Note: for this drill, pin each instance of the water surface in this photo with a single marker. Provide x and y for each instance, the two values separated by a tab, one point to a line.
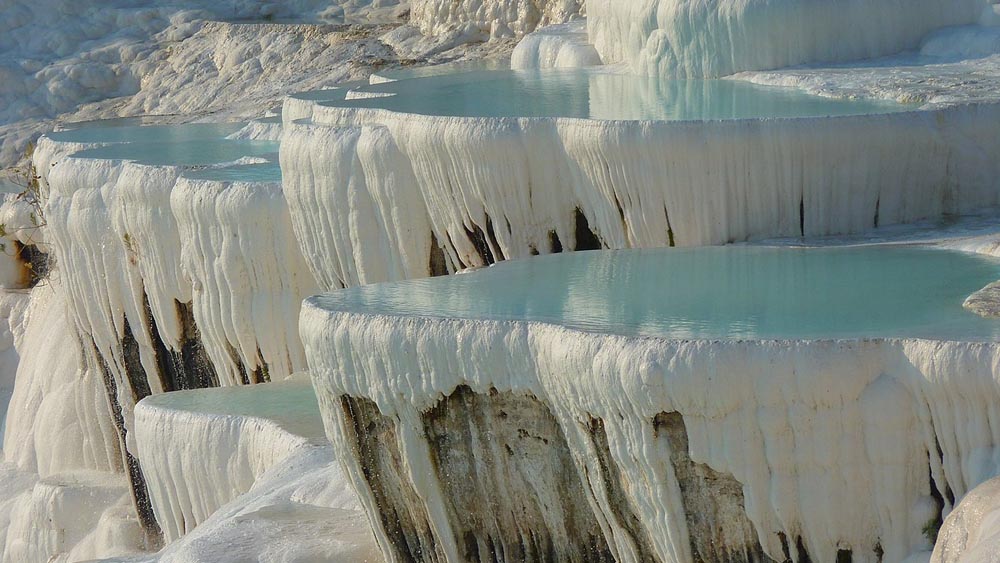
259	172
291	404
600	94
740	292
131	130
202	148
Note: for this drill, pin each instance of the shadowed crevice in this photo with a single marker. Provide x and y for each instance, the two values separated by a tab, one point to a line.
137	483
188	368
586	238
437	264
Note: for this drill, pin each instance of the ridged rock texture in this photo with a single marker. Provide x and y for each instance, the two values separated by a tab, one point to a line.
697	38
684	451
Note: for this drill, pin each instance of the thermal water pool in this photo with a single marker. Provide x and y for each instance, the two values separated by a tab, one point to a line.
229	438
290	404
597	93
736	292
817	381
203	149
209	154
136	131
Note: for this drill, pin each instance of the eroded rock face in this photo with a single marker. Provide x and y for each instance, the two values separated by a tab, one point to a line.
512	491
509	482
713	502
401	512
610	481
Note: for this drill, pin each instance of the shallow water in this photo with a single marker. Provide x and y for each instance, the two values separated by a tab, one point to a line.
197	152
600	94
738	292
260	172
410	72
326	94
129	131
201	147
292	404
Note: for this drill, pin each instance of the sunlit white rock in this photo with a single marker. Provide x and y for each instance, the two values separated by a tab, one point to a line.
500	17
556	46
971	533
696	38
873	409
405	177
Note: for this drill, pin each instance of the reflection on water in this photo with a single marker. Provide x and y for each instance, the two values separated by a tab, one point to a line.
713	293
262	172
201	147
599	94
187	153
128	131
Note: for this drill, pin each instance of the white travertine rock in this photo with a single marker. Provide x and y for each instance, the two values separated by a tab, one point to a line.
201	449
64	489
829	439
971	533
126	233
699	38
367	178
500	18
556	46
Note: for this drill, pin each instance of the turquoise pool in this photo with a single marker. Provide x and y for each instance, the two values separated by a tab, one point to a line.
598	94
291	404
740	292
202	148
132	130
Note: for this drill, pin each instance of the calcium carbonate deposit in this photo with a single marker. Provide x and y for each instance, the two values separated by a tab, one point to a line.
677	281
792	424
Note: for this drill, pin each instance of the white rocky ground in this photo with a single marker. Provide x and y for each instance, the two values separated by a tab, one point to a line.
959	64
129	58
712	39
63	487
262	483
63	61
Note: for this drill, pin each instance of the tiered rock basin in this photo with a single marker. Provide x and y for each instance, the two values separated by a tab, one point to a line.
738	403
